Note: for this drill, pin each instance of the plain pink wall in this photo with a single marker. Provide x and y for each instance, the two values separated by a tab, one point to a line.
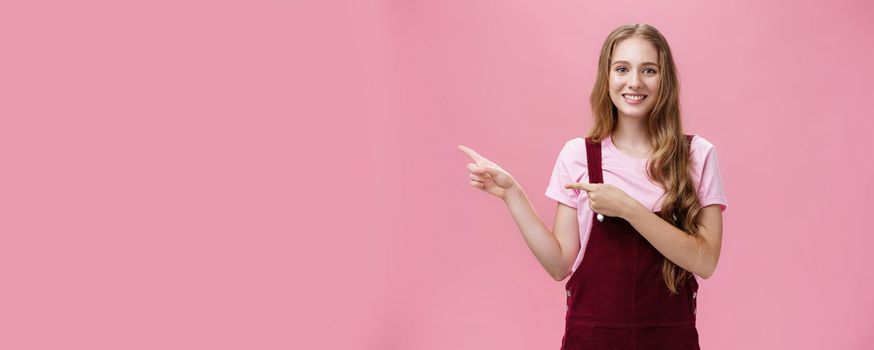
283	175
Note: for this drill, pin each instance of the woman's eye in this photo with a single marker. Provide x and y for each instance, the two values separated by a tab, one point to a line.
622	69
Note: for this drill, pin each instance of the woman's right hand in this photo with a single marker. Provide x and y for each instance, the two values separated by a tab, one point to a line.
488	176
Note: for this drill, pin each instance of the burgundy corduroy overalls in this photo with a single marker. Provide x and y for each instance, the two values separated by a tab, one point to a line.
616	297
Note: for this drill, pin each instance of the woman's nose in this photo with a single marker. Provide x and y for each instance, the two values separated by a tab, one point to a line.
634	81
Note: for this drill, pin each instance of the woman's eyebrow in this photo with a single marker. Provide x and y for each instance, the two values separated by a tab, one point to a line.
644	63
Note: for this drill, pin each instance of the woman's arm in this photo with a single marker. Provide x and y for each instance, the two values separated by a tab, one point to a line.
554	251
698	255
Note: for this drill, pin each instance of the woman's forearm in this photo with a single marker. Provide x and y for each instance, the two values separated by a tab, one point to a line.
689	252
539	239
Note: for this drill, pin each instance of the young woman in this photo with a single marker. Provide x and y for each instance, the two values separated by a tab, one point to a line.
639	206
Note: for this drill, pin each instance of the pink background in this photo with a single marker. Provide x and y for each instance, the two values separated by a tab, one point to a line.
283	175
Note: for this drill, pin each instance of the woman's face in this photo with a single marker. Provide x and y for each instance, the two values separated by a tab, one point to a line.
634	71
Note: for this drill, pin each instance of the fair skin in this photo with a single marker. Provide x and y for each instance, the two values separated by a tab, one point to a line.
634	69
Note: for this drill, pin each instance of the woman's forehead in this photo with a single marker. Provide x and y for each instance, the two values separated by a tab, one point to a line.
635	51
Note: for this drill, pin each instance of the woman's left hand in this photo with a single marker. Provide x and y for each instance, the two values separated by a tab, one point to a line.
606	199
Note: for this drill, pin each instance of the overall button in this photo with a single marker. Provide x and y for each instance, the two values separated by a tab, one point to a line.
694	294
568	293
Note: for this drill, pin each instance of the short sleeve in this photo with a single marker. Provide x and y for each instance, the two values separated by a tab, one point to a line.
710	188
564	172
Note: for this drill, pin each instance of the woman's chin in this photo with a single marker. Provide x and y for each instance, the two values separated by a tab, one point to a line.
635	112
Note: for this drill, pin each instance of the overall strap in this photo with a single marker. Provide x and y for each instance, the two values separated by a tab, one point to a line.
593	155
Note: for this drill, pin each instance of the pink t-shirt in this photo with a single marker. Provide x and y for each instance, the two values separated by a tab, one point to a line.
628	174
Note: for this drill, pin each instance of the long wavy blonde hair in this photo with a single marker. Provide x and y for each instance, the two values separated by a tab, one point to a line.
670	164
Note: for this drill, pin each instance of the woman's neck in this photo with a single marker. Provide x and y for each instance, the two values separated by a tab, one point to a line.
632	136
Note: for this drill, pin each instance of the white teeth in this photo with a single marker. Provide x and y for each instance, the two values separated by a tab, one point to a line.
634	97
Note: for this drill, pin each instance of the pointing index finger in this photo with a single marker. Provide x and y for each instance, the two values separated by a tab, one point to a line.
585	186
470	153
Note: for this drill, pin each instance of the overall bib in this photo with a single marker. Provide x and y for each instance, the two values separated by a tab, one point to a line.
616	298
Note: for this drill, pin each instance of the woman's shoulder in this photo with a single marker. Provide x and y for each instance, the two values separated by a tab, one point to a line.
574	151
701	146
576	143
702	154
575	146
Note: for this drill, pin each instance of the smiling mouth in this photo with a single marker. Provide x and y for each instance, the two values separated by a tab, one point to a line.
634	98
